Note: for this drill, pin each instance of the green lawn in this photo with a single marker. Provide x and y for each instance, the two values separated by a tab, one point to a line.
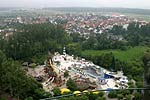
138	16
131	54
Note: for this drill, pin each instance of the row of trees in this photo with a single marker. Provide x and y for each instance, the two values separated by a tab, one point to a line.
98	42
33	40
134	35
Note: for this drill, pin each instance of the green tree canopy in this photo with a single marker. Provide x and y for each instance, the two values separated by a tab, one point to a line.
71	84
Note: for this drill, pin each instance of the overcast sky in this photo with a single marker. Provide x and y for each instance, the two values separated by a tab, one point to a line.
76	3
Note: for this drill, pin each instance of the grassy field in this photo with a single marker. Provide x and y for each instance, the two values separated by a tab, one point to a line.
131	54
142	17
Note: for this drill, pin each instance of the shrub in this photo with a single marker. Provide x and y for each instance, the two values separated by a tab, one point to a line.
126	92
101	98
128	97
71	84
56	91
119	96
2	98
66	74
101	94
137	96
29	98
112	94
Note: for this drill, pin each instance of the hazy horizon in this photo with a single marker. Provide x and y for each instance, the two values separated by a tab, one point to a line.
142	4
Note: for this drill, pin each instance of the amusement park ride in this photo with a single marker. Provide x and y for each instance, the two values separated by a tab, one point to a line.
52	73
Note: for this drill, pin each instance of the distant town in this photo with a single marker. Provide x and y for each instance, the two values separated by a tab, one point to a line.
82	23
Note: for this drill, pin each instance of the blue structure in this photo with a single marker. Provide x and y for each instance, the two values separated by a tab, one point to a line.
107	76
109	89
101	79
